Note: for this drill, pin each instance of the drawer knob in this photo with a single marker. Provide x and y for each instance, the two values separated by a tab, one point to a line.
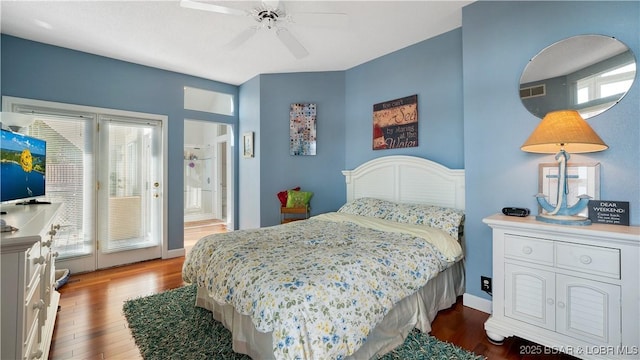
47	243
550	301
560	304
527	250
40	260
54	229
39	305
585	259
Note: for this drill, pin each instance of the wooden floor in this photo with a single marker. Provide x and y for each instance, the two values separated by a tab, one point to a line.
197	229
90	323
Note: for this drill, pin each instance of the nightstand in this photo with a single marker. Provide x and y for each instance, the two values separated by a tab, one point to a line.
572	289
289	214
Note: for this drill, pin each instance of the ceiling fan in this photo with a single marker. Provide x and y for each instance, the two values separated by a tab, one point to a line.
271	15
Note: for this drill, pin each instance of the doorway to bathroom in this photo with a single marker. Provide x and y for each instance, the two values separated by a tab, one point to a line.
207	179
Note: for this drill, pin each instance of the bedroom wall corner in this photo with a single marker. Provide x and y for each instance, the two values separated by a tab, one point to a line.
320	173
499	38
249	167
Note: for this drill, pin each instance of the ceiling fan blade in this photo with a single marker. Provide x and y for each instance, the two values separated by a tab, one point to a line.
291	43
271	4
212	7
242	37
324	20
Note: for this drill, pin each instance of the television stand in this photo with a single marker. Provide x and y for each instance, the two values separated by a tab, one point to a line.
33	202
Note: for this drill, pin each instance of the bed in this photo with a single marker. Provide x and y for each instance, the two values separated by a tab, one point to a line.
349	284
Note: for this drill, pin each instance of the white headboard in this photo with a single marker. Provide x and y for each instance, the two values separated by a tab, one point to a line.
406	179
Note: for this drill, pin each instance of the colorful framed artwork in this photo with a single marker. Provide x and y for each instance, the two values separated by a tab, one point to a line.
302	129
395	123
247	144
581	179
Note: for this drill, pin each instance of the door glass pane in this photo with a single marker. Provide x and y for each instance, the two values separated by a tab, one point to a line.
130	177
69	181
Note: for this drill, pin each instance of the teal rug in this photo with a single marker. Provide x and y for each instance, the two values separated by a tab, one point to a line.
169	326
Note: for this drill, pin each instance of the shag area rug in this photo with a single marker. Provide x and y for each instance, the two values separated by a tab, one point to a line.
169	326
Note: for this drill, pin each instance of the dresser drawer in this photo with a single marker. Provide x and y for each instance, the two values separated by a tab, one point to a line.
34	265
590	259
32	306
32	342
528	249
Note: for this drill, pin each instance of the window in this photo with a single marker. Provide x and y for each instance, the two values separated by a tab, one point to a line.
208	101
605	84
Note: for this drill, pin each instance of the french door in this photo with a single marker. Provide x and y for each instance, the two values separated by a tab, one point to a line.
129	190
106	169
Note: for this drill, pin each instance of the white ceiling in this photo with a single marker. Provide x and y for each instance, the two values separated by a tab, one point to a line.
164	35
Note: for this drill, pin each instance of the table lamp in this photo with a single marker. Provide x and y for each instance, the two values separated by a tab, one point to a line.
563	132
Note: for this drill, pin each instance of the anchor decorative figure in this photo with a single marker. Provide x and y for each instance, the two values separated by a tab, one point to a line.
562	213
562	131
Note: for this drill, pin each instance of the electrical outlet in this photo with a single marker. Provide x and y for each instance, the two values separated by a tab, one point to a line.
485	284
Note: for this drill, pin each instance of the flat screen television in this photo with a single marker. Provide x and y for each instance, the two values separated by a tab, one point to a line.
23	161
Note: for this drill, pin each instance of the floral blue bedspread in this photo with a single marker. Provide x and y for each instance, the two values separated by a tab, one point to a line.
320	286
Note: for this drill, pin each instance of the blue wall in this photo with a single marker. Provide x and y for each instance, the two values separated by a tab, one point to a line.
274	168
432	69
249	168
498	39
43	72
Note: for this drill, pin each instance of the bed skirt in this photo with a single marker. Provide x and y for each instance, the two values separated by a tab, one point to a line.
415	311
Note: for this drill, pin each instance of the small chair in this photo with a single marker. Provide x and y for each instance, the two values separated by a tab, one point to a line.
289	214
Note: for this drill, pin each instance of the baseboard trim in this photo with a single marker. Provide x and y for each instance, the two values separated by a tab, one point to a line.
174	253
476	302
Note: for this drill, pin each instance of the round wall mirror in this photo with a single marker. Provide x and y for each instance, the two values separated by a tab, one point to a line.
587	73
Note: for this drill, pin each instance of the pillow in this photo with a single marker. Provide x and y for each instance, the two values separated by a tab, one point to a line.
298	198
443	218
282	196
366	206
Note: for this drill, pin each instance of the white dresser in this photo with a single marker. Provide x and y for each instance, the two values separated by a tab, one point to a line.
573	289
29	300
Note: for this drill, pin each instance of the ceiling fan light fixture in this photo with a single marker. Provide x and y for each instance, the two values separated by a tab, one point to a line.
269	15
268	23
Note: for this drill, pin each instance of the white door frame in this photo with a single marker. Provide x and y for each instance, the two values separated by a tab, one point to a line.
133	247
228	138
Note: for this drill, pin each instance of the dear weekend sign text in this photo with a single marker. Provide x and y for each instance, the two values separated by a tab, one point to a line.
609	212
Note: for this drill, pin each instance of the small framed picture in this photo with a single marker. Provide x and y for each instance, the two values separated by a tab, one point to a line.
582	179
247	144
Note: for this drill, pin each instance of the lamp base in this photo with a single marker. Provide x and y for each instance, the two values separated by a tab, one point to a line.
564	219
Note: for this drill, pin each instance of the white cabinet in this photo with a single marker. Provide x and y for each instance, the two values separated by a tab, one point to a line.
29	300
572	289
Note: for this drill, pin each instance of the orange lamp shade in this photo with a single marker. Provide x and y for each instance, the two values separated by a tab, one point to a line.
564	129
